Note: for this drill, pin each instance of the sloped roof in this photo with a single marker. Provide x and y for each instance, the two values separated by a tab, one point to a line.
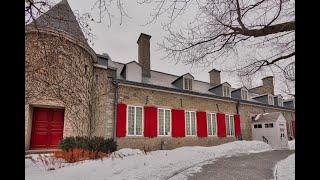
61	17
181	77
125	66
267	117
232	90
213	87
164	80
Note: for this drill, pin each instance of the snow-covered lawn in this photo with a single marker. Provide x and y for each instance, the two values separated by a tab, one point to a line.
292	144
136	165
285	169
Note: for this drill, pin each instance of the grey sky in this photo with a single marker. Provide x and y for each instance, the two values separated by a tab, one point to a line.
119	41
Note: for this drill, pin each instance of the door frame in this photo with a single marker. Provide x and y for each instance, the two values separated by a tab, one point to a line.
29	119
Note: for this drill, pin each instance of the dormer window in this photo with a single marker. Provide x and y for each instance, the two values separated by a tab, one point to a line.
226	91
244	94
187	84
270	100
280	101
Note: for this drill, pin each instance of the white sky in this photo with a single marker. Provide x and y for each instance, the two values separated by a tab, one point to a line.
119	41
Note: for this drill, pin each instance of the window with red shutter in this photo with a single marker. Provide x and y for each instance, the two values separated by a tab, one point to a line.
212	124
230	125
164	122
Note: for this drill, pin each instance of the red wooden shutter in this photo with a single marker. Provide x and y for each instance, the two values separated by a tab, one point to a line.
221	121
150	122
294	128
178	123
121	120
237	127
288	132
202	124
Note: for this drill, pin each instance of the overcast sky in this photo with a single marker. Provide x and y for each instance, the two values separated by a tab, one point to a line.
119	41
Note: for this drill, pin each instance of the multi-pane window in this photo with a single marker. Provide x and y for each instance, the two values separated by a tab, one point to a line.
226	91
281	132
230	125
257	126
244	94
280	101
187	84
212	124
190	123
271	100
164	120
269	125
134	120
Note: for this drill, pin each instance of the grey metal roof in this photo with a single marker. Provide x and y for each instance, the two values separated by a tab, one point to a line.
267	117
215	86
237	89
179	77
161	80
62	18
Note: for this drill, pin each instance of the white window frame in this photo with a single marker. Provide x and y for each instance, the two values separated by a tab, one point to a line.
228	123
243	91
189	81
229	92
135	122
195	122
216	125
270	97
164	124
280	101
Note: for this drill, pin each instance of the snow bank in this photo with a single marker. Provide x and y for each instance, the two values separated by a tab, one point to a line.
285	169
129	152
160	164
292	144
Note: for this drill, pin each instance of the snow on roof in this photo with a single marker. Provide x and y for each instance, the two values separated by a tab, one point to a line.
267	117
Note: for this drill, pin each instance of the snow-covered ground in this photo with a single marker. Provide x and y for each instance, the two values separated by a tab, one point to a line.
292	144
137	165
285	169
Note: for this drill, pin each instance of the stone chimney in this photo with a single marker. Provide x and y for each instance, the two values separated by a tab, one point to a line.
267	84
214	77
144	53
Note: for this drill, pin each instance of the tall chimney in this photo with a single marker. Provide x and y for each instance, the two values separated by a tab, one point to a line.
144	53
215	77
267	84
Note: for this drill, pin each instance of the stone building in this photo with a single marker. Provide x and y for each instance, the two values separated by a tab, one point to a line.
71	90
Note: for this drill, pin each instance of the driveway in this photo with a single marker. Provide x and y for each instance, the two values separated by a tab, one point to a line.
256	166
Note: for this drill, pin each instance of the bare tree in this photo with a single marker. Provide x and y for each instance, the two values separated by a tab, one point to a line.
221	29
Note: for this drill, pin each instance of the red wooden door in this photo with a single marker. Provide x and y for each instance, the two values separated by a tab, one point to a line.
47	128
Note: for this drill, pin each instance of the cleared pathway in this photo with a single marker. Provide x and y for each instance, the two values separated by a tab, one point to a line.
256	166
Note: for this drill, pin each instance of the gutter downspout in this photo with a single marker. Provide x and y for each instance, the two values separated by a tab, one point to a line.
237	107
115	82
